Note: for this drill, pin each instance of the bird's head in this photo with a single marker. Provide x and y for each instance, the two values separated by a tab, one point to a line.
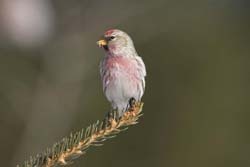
116	42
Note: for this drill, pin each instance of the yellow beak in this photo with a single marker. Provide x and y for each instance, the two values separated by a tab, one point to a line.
102	43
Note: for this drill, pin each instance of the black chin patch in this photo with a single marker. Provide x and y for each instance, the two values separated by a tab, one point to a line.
106	47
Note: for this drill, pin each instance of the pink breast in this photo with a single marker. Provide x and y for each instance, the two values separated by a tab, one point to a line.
122	65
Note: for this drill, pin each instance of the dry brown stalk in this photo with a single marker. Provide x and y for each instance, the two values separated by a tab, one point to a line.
65	151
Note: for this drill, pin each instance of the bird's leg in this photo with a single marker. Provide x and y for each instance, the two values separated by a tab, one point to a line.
132	102
106	121
111	115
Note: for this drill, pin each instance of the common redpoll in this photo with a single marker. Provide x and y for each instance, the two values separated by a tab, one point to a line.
122	70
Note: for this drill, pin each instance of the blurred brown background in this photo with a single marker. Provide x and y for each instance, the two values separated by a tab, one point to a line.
197	92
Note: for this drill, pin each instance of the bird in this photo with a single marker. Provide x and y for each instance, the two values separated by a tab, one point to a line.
122	70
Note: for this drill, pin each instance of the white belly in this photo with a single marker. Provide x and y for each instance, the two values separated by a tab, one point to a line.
120	89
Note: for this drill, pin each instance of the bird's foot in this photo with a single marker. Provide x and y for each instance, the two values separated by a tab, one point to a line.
111	117
132	103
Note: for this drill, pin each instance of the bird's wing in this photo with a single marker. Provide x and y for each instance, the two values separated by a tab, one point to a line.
141	66
141	70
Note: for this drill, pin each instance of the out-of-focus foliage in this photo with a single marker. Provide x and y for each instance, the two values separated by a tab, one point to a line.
197	88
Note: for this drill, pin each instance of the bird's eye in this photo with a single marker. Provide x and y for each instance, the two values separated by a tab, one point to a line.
111	38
